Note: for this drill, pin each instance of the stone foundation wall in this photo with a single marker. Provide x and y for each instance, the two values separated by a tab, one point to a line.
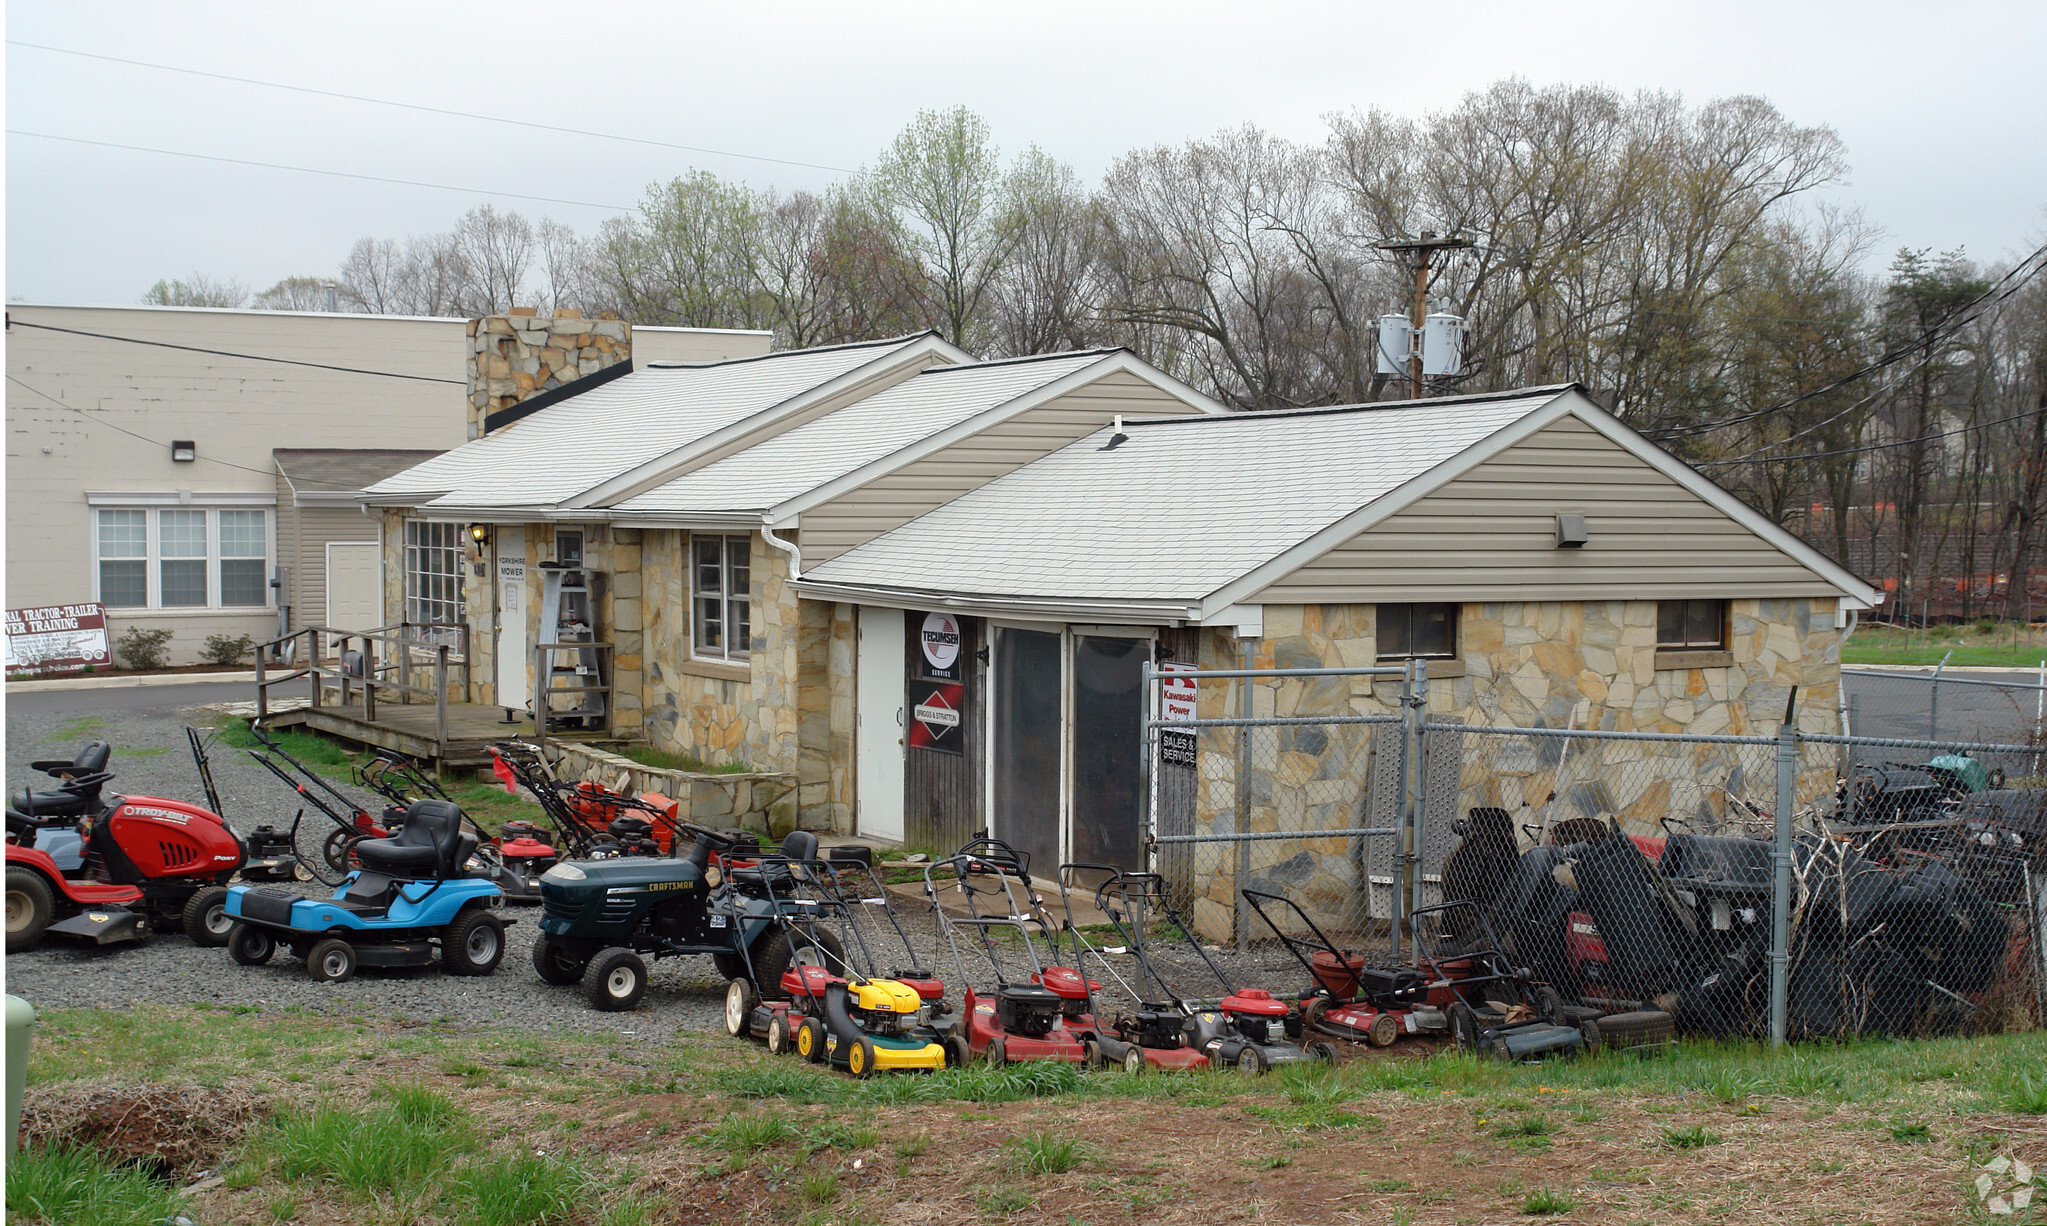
761	802
1519	665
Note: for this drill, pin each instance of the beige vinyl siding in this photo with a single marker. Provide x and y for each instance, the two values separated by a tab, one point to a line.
321	525
860	515
1490	535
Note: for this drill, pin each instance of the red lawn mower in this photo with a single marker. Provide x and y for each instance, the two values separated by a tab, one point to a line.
1043	1019
116	862
1349	1003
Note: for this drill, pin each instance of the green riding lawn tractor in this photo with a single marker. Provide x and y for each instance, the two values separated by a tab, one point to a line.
603	919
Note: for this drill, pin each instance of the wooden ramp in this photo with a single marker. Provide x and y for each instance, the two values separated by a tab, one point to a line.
410	728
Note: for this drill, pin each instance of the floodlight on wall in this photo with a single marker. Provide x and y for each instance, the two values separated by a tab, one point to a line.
184	451
1571	532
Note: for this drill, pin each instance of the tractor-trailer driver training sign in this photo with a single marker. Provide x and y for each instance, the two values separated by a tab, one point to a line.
62	638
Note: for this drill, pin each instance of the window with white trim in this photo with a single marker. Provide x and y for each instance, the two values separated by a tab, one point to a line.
434	591
721	596
181	557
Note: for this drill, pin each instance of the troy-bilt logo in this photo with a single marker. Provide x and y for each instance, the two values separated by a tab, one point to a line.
164	815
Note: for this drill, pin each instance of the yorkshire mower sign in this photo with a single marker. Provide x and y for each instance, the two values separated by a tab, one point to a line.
56	638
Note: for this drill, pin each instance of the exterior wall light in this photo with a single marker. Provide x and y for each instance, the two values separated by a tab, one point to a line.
184	451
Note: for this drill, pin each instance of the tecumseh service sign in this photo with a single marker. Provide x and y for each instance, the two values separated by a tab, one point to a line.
938	692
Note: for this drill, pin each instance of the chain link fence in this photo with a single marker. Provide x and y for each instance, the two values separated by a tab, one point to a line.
1791	886
1938	705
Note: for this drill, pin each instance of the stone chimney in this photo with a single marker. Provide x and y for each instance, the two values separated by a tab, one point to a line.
518	355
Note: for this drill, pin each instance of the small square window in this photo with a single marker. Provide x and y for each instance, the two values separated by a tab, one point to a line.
1691	625
1417	631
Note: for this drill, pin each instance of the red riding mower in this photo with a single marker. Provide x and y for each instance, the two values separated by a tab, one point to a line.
1017	1020
1350	1003
116	862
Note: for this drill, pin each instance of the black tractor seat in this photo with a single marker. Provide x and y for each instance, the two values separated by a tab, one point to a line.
82	776
67	804
430	843
799	845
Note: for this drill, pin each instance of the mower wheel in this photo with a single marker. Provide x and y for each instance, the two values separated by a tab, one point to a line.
810	1040
1251	1061
473	945
250	946
740	998
778	951
331	961
1384	1030
957	1053
615	980
778	1033
1590	1032
206	919
553	962
1549	1003
1091	1054
997	1054
1463	1026
30	908
1325	1051
1640	1029
1134	1062
339	850
729	966
860	1057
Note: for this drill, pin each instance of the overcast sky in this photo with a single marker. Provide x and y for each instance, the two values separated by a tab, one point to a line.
1943	107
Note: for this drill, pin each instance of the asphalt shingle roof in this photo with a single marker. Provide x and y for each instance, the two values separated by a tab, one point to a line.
1179	509
800	460
344	468
586	440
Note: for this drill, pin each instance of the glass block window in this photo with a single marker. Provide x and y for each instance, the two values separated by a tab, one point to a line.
124	559
434	591
244	557
721	596
181	559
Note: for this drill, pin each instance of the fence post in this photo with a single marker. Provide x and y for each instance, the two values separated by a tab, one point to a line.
1417	796
1240	853
1848	753
1933	699
1147	774
262	690
441	697
1780	892
540	683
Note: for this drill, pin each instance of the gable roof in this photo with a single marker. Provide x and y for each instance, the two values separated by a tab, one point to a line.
612	429
1195	514
795	462
336	476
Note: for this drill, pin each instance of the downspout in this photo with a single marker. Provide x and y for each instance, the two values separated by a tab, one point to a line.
1841	689
788	547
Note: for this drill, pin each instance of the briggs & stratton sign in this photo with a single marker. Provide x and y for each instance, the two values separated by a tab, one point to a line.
935	720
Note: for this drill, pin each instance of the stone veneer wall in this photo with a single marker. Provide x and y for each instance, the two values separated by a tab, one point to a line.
523	353
825	710
761	802
1521	665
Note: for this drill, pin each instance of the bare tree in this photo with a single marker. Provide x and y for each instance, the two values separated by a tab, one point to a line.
301	294
492	253
943	173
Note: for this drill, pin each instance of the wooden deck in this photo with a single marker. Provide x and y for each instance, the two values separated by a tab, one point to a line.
409	729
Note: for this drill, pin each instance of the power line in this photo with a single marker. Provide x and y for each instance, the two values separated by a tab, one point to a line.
72	408
222	353
1903	442
431	110
314	170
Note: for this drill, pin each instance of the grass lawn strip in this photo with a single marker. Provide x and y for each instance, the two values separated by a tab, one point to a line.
321	1119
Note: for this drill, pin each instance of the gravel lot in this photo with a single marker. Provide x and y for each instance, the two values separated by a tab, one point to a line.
147	731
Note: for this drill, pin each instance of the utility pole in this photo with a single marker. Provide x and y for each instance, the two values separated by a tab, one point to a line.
1422	248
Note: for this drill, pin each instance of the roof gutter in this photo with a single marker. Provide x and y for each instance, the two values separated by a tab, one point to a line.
1138	612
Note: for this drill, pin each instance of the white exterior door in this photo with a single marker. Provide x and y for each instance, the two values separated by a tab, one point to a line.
513	649
879	685
355	585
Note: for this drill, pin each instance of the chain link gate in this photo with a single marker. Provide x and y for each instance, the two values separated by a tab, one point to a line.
1796	885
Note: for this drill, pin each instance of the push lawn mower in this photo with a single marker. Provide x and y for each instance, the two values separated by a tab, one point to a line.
409	897
1490	1005
1016	1021
604	918
1349	1002
72	844
1168	1029
849	1017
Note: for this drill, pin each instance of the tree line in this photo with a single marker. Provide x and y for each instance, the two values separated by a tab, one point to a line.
1680	261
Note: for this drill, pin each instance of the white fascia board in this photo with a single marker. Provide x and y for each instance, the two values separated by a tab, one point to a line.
1397	499
663	469
1049	609
324	498
709	521
1855	593
1249	619
785	513
204	498
406	498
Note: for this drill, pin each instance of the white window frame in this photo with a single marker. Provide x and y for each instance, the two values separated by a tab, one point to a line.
725	595
409	571
152	506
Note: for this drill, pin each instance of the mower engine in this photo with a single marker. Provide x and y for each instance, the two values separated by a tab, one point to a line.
885	1008
1027	1009
1159	1026
526	854
635	835
1256	1015
1071	987
270	855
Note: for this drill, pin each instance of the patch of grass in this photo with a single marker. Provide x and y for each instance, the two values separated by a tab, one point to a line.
794	1083
743	1136
1046	1153
400	1149
1387	1185
1271	1162
819	1187
284	1208
976	1084
1001	1202
1547	1202
647	755
1912	1133
78	728
2024	1095
1694	1137
521	1189
1537	1125
79	1187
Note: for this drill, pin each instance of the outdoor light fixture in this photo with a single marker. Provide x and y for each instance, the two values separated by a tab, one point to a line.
184	451
478	534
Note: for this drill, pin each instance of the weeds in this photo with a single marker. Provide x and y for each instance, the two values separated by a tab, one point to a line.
80	1187
1694	1137
1045	1153
2023	1095
819	1187
521	1190
743	1136
1001	1202
1911	1133
1546	1202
